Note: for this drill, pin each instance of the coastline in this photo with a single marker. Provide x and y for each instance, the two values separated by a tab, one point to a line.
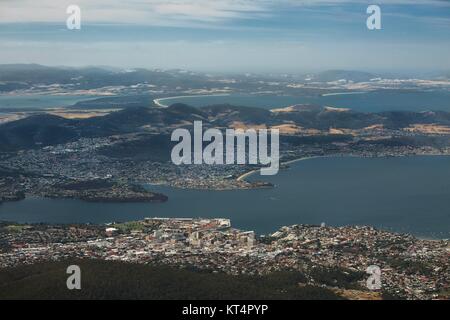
250	173
159	103
343	93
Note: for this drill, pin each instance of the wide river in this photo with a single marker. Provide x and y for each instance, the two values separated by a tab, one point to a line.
410	194
40	101
375	101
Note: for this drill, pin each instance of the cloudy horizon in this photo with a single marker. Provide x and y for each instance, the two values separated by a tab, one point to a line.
229	35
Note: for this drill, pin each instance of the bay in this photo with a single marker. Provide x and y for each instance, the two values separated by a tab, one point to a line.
374	101
39	101
406	194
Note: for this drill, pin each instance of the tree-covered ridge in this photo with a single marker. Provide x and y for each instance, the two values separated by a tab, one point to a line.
119	280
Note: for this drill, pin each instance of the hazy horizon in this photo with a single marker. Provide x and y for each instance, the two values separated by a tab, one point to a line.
402	73
258	36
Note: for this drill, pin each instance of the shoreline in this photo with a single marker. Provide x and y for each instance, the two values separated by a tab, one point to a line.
260	235
250	173
343	93
159	103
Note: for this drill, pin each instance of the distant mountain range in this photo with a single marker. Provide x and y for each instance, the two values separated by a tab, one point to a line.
25	76
19	76
336	75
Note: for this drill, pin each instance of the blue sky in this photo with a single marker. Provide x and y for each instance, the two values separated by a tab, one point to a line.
229	35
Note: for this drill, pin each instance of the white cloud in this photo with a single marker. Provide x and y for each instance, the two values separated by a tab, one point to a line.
133	11
164	12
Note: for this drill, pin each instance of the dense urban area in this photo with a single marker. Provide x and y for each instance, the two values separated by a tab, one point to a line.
410	268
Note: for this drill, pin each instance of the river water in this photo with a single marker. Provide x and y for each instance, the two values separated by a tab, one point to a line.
408	194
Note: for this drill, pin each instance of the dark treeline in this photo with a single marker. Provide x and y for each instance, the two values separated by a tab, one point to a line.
119	280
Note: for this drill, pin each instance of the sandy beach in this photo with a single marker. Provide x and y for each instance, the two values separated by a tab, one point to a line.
159	101
249	173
